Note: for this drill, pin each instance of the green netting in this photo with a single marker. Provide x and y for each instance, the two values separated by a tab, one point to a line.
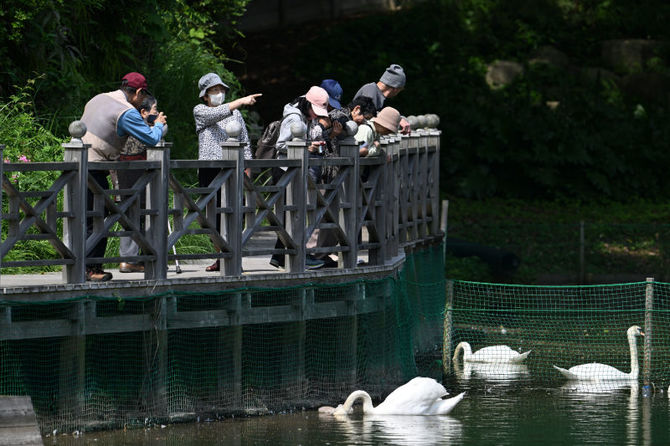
563	326
174	372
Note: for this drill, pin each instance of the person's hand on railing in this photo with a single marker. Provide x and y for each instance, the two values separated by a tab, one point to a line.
405	127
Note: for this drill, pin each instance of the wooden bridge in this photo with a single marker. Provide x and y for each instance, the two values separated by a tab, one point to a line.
376	217
379	209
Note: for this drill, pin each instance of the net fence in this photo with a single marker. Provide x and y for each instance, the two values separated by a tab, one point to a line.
175	370
562	326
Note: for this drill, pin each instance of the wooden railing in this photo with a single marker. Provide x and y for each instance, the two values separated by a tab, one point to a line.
395	206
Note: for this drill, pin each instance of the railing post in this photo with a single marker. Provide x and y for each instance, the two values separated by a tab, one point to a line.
349	214
393	199
156	222
232	195
434	175
296	197
74	204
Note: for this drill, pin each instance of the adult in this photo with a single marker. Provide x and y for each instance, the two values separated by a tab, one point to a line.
305	109
110	118
389	85
134	149
386	122
359	110
334	90
211	117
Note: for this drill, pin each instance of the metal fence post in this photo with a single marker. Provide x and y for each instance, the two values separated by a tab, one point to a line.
74	204
156	222
446	340
648	335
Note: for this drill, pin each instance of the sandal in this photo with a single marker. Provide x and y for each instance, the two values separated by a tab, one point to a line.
213	267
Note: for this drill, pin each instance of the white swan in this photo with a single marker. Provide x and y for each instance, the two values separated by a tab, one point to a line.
501	354
602	372
420	396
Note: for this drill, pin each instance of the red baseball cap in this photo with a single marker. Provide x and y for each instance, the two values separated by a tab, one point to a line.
136	80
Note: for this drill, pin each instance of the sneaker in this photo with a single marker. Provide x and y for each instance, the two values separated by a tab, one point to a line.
97	275
313	263
274	262
328	262
131	267
216	266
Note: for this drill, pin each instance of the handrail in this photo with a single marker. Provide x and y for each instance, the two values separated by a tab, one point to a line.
393	199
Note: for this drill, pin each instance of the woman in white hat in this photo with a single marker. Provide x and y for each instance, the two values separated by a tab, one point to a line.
211	118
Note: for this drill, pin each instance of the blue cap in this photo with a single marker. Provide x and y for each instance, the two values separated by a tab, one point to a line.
334	92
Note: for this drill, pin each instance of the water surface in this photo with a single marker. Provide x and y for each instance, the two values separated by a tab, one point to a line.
504	408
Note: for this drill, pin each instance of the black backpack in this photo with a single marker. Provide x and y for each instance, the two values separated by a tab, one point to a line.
266	148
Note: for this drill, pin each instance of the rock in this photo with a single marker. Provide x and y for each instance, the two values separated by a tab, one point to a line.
502	72
630	55
551	56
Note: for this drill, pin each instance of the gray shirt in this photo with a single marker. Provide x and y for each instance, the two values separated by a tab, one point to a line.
373	92
210	124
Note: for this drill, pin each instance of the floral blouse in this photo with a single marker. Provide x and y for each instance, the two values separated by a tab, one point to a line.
210	125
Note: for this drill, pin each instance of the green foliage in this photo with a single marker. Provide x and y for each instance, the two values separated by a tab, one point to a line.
83	47
27	140
599	142
620	239
24	136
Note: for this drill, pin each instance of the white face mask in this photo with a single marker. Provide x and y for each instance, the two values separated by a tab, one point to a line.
217	99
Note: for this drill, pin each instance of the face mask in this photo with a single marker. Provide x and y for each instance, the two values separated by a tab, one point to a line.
151	119
217	99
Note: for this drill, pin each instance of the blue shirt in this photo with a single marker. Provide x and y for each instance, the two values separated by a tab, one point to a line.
131	123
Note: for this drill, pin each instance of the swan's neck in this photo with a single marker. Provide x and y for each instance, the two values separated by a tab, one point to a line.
351	399
634	367
467	351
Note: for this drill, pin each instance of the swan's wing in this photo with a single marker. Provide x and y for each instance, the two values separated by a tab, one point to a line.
497	353
520	358
419	387
594	372
566	373
443	407
413	398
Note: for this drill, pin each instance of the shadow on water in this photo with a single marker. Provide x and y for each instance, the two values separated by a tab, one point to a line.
503	406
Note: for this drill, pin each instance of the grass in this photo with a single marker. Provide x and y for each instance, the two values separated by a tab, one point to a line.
620	240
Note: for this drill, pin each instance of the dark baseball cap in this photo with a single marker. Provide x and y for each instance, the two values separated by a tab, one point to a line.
136	80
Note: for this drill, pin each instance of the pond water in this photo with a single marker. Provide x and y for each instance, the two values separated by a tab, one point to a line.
507	409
